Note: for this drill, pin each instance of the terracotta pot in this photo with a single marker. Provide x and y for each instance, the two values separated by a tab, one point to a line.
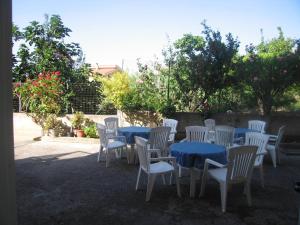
79	133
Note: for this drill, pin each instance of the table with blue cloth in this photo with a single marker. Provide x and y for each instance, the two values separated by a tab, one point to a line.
192	155
130	133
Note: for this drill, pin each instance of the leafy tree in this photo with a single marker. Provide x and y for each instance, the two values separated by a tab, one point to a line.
203	65
269	69
43	48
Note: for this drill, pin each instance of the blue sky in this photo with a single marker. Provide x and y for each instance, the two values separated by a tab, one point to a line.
111	30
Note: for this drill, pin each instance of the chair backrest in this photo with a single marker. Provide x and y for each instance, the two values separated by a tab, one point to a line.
173	124
259	140
240	163
279	136
196	133
102	134
158	138
257	125
210	123
224	135
112	124
144	157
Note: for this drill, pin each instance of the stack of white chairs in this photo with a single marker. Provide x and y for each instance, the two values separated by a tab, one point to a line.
173	124
257	125
210	124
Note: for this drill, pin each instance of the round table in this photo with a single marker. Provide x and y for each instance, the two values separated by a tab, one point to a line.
193	154
130	133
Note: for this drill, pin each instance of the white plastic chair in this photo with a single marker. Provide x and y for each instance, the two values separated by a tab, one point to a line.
274	149
210	123
224	136
108	144
173	124
112	124
238	170
260	140
160	167
196	133
158	139
257	125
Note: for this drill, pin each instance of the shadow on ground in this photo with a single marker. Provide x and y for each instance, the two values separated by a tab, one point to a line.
60	189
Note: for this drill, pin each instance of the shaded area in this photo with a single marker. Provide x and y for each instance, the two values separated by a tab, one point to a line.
62	184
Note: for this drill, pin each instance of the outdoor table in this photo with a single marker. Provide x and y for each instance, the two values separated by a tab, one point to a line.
192	155
130	133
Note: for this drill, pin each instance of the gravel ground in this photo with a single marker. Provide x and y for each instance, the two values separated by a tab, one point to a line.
62	184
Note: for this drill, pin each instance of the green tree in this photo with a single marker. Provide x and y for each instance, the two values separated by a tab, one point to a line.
43	48
203	65
270	69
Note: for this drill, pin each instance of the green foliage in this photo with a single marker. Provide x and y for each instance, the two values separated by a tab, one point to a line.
203	66
41	96
43	48
53	123
269	69
91	131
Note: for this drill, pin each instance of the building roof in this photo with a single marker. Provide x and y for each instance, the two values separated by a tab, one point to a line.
106	70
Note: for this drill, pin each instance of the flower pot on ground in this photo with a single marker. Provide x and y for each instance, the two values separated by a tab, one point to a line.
79	133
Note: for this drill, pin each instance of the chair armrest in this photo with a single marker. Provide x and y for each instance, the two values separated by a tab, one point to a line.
262	153
212	162
169	158
272	137
122	138
183	140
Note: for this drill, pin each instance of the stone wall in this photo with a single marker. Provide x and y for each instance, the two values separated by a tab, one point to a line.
291	120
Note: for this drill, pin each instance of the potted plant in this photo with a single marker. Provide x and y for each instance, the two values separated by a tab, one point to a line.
54	127
77	123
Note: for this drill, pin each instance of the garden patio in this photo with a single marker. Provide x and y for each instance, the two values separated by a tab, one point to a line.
62	183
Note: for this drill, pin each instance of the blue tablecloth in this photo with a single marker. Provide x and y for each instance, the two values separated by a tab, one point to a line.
193	154
130	132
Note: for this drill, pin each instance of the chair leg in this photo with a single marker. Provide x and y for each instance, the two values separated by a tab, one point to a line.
262	175
138	179
107	158
203	183
99	154
278	156
163	179
180	171
273	157
171	178
223	189
248	193
150	184
177	183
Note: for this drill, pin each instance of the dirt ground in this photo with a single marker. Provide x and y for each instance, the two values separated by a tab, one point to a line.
62	184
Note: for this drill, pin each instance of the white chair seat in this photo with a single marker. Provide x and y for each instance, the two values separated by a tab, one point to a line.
161	167
115	144
219	174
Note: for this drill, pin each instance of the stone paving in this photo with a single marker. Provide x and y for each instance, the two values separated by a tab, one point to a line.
61	183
